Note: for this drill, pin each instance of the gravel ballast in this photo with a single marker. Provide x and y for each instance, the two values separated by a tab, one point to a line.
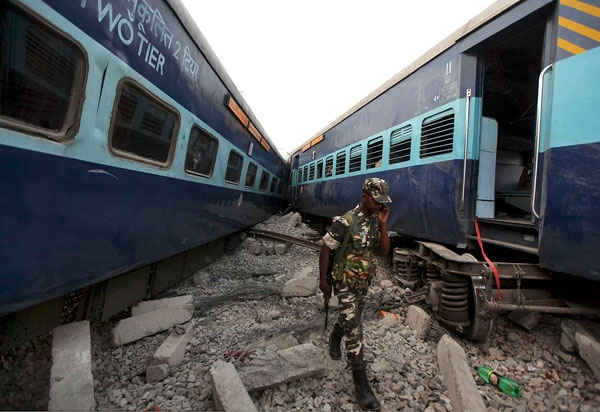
238	307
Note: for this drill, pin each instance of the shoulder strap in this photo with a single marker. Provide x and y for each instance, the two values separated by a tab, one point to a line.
350	218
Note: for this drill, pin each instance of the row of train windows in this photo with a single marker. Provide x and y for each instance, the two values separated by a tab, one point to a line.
40	93
437	137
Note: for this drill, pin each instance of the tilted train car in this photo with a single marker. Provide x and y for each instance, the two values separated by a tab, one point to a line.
490	143
123	142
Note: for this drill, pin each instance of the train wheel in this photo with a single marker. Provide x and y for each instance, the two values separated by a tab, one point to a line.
481	323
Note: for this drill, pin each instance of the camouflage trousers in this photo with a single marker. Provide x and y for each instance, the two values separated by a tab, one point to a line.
350	307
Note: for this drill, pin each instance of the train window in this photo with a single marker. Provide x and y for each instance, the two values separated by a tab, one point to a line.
251	175
320	169
305	177
42	76
280	187
355	159
340	163
201	152
264	181
273	185
329	166
234	168
400	145
299	176
142	126
311	173
437	135
374	152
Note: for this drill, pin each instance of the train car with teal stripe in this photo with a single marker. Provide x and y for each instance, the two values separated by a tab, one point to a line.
124	142
491	145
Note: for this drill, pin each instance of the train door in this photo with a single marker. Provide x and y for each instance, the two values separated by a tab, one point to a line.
510	64
294	177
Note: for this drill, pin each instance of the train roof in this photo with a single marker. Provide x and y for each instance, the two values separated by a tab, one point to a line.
479	20
192	28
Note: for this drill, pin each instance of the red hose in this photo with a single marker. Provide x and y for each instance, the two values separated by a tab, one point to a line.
494	268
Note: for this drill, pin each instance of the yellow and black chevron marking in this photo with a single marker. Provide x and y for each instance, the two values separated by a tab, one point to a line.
578	27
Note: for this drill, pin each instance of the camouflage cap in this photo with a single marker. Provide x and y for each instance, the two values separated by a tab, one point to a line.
378	188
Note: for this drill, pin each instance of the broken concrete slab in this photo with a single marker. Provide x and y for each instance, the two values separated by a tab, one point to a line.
305	272
299	287
256	248
281	248
172	350
418	320
137	327
292	219
453	364
525	318
271	368
269	248
280	342
570	327
159	304
156	373
229	393
589	350
71	379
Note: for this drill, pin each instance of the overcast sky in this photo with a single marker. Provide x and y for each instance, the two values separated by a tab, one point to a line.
301	64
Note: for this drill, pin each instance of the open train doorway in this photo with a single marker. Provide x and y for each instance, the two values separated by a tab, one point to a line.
510	71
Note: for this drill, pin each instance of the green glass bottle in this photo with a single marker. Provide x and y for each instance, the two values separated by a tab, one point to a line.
506	385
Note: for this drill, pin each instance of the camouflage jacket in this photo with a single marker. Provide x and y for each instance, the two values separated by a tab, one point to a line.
358	266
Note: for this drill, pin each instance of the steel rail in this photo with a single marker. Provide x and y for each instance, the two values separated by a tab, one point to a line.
286	238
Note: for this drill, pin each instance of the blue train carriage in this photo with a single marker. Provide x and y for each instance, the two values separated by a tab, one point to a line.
491	137
123	142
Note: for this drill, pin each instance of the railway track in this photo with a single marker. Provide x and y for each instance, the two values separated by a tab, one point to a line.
290	239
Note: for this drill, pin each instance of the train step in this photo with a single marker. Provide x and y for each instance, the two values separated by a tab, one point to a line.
518	234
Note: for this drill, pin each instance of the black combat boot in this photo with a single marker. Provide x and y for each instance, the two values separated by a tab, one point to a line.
335	342
364	395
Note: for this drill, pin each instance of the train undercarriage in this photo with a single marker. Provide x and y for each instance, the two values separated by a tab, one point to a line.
466	294
107	298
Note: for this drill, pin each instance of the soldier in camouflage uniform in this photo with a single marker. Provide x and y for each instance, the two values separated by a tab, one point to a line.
352	273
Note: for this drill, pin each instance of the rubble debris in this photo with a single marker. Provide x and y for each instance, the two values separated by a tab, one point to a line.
71	380
229	393
173	348
275	368
145	324
525	318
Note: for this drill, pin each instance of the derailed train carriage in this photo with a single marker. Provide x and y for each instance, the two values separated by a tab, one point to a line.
491	145
125	148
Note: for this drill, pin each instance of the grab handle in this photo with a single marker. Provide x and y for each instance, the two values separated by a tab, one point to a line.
538	133
464	180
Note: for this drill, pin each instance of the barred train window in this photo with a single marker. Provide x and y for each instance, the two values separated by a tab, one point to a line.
400	145
437	134
311	175
201	153
320	169
273	185
340	163
42	76
234	168
355	159
251	175
329	166
142	126
264	181
374	152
